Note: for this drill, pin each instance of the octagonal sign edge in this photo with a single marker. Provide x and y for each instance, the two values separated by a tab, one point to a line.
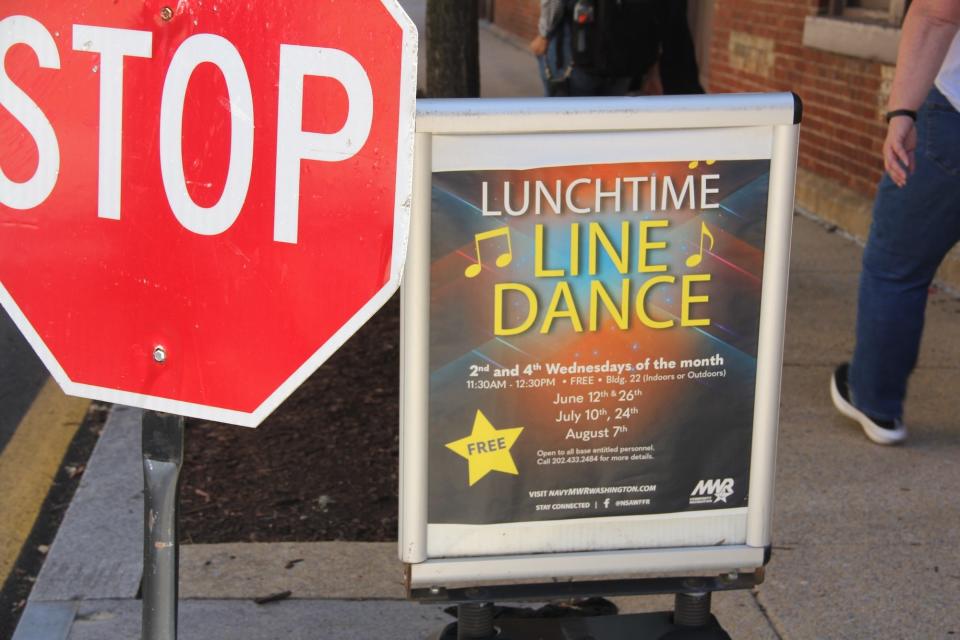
402	193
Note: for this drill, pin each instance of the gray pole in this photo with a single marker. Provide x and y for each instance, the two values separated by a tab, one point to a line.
162	459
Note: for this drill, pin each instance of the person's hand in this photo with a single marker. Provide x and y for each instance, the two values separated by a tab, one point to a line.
898	149
652	85
538	46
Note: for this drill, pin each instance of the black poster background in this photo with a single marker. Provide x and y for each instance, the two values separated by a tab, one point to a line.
685	443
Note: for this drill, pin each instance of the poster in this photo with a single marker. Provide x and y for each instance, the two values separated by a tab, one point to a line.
593	339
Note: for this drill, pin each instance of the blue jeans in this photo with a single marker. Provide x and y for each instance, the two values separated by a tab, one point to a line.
913	229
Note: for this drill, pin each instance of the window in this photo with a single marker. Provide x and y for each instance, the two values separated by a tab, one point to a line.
878	11
868	29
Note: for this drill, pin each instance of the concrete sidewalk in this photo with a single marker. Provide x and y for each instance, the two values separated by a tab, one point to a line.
866	537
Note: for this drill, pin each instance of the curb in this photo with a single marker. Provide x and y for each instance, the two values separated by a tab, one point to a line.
89	586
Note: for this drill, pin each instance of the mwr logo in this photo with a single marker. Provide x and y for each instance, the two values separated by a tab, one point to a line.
712	491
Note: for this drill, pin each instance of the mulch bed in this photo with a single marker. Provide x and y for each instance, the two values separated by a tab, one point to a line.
322	467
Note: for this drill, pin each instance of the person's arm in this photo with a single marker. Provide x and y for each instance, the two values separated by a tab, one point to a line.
551	12
927	32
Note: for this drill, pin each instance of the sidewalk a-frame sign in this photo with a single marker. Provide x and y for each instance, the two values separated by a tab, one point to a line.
593	331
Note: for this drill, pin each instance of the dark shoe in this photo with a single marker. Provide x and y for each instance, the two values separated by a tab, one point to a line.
880	431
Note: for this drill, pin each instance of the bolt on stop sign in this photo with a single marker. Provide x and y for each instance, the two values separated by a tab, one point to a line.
201	201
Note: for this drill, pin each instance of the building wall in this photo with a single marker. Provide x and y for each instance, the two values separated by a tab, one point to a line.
518	17
757	46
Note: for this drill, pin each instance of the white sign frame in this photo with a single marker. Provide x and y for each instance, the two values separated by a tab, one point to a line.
473	134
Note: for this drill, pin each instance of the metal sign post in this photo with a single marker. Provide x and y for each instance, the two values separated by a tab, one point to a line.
593	315
162	459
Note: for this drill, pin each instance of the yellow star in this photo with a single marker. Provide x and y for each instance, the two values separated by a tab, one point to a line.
487	448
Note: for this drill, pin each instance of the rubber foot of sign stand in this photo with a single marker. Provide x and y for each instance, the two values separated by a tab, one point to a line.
641	626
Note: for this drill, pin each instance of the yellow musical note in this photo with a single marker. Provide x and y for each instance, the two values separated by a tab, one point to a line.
696	163
695	259
502	260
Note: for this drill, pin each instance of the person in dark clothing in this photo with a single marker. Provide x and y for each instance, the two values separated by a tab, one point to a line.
565	45
677	66
609	47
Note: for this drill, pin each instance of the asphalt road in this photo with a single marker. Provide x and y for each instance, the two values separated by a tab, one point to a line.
38	423
21	377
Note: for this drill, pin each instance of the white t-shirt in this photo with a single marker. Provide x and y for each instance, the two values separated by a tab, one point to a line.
948	80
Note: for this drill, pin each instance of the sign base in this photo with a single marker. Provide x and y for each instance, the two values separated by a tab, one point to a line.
566	590
648	626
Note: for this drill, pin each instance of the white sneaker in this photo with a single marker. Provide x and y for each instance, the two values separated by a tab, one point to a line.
880	431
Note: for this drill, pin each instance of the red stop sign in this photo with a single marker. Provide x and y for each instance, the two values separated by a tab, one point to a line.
201	201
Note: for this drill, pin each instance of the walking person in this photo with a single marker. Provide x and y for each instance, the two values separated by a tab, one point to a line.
916	221
615	47
585	47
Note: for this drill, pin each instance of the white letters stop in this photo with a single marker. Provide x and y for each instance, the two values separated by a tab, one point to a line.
112	45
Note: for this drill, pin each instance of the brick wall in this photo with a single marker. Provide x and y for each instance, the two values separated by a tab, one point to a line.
517	16
756	46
